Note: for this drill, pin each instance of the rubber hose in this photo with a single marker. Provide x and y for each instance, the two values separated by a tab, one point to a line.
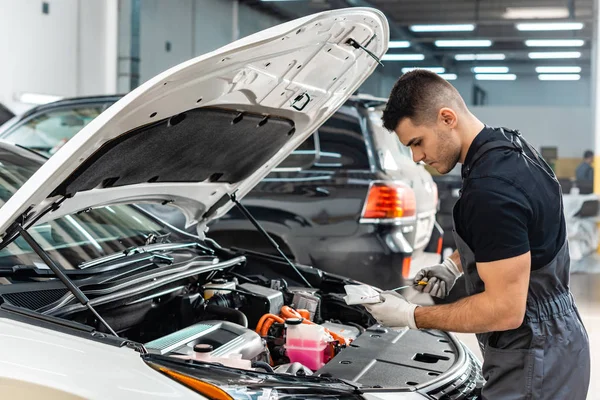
237	316
263	365
295	367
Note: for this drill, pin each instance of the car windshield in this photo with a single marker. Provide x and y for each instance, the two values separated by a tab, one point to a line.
47	131
73	239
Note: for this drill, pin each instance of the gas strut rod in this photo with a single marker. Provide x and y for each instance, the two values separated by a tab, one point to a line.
62	276
257	225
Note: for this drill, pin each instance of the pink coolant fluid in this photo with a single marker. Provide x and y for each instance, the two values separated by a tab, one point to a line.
306	344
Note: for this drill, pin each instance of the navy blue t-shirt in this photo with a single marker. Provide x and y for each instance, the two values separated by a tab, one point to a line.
509	206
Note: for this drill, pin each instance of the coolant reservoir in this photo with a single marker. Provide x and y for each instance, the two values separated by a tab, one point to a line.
306	343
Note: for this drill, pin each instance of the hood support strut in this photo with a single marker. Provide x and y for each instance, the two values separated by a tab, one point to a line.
78	293
262	231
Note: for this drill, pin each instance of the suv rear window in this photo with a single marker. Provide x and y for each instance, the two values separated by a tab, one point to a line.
342	144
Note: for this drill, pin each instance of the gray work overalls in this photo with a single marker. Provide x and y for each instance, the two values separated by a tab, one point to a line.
547	357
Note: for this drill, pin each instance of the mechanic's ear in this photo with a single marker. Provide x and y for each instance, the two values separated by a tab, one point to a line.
448	117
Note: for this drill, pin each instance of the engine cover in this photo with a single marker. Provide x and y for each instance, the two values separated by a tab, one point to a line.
226	338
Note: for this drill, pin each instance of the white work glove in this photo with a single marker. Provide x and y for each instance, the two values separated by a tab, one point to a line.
393	311
440	278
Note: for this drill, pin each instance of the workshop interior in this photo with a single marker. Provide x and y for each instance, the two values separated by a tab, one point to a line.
211	199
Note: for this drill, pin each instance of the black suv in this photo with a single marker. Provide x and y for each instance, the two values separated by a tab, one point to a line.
350	201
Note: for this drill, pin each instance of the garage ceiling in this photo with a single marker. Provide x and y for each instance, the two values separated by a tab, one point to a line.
493	19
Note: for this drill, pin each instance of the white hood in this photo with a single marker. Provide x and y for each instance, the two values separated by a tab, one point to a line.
211	126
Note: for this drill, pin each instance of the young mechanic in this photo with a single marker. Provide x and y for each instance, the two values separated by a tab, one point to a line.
510	233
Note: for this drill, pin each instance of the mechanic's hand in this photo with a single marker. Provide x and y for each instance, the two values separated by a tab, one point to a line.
394	311
440	278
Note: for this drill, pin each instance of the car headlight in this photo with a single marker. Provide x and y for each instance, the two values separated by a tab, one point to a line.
222	383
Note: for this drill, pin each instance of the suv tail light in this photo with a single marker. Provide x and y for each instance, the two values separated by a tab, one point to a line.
388	201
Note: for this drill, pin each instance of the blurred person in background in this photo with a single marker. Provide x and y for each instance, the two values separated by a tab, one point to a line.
585	171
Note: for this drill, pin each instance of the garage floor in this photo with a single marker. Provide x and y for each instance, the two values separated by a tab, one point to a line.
586	289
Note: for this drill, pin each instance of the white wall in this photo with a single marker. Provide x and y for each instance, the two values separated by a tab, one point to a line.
193	27
61	53
568	128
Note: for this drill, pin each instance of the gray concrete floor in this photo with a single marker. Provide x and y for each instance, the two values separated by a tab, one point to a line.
585	285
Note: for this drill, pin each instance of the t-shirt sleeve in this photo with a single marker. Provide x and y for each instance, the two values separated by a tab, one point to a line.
497	216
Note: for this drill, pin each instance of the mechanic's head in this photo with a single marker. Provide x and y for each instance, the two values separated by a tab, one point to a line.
588	156
429	115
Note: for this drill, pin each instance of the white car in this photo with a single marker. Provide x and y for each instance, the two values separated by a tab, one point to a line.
101	300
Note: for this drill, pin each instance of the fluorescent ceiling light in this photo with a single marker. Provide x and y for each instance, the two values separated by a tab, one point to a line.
555	54
495	77
449	77
559	77
490	70
463	43
398	44
437	70
443	28
403	57
37	98
555	43
535	12
479	57
550	26
557	70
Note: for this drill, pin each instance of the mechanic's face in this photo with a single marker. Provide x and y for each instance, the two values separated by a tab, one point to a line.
435	143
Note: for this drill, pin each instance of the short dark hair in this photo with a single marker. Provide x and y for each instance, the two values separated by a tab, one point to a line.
419	95
588	154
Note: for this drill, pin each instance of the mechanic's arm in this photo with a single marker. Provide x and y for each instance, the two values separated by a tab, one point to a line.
500	307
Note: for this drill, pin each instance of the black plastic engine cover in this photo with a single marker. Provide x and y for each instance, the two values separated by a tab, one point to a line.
383	357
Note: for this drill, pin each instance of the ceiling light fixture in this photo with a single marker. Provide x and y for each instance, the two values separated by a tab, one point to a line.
437	70
554	43
403	57
398	44
495	77
535	12
479	57
555	54
464	43
490	70
559	77
550	26
557	70
443	28
449	77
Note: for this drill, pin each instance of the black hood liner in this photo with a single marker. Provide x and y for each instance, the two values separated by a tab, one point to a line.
201	144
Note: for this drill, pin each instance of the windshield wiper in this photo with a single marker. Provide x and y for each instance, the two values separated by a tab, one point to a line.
33	271
257	225
60	274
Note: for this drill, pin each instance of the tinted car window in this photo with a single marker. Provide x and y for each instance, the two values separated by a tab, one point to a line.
342	144
46	132
301	158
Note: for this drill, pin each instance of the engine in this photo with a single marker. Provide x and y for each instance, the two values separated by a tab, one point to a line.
266	326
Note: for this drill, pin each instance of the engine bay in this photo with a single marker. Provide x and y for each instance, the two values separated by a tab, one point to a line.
242	310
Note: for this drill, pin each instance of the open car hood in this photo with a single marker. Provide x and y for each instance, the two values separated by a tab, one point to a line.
209	127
